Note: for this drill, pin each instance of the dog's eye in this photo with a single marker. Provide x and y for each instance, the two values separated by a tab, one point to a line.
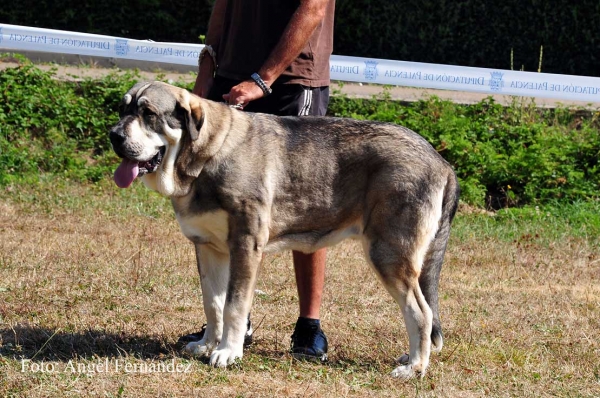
149	113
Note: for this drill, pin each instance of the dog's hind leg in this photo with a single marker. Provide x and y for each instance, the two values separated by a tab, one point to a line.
399	276
428	283
213	268
432	266
397	242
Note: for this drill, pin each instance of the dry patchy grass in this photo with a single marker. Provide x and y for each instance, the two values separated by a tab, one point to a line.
90	277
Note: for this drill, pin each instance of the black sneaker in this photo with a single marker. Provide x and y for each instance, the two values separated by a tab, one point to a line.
308	341
192	337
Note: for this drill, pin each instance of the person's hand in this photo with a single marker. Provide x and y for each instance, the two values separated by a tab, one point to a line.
205	78
243	93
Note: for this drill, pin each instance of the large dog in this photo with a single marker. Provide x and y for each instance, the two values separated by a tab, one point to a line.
244	184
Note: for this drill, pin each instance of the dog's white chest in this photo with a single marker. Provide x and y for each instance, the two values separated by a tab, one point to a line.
207	228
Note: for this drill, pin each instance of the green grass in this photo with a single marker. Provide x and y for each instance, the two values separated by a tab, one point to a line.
51	195
544	223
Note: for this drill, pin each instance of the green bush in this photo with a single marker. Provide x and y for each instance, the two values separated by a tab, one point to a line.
54	126
503	156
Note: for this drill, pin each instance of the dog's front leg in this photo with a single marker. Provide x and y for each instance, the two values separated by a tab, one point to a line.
246	254
213	267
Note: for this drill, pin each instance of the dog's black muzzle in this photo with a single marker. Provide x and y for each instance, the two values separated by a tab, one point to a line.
117	140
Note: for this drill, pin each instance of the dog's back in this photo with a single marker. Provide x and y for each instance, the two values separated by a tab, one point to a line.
327	171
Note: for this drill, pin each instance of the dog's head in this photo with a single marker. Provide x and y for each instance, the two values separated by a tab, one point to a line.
156	120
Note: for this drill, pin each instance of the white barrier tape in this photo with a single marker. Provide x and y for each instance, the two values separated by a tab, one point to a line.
14	37
462	78
350	69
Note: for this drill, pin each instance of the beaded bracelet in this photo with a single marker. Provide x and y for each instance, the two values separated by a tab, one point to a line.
261	83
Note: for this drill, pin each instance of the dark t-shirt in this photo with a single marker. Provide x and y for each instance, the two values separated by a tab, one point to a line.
252	29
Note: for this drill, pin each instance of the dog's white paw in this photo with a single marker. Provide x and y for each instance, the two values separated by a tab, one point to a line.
404	372
198	349
222	357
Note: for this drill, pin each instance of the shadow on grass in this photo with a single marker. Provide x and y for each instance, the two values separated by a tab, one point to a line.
338	360
35	343
42	344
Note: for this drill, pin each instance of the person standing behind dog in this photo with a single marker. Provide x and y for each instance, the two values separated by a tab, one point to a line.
272	56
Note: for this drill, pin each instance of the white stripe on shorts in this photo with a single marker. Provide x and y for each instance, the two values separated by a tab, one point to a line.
307	102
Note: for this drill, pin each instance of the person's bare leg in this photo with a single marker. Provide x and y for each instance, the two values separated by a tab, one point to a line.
310	279
309	340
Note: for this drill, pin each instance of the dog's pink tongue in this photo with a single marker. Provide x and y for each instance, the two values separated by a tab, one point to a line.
126	173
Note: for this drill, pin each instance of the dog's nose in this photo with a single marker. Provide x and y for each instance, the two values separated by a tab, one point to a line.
117	138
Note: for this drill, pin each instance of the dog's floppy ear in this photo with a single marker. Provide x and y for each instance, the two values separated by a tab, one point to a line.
195	119
192	113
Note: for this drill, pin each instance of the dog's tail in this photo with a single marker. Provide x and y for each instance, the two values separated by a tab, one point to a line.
432	265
